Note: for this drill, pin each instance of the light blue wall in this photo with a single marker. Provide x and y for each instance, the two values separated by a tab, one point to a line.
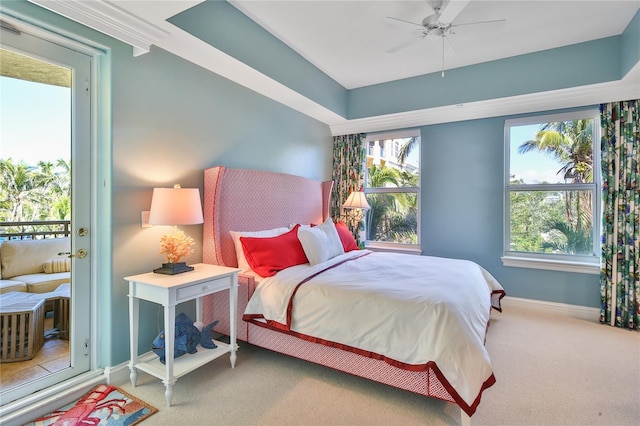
576	65
226	28
171	120
630	44
462	203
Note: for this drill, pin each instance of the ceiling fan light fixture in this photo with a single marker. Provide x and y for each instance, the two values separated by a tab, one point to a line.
435	33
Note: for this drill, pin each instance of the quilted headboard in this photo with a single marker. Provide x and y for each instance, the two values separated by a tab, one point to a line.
252	200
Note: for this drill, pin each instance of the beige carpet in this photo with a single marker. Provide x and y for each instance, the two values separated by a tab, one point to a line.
550	370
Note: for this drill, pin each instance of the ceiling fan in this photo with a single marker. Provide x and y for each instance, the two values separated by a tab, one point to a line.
439	25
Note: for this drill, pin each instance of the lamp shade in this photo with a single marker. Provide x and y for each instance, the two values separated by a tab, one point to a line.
356	200
175	206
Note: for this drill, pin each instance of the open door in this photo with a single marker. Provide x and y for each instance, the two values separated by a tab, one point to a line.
45	110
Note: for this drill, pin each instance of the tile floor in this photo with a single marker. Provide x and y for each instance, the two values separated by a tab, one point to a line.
52	357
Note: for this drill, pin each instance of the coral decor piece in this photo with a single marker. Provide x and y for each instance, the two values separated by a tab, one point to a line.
176	246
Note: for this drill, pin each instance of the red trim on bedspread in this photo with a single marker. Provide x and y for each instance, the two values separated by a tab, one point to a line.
498	305
259	320
431	365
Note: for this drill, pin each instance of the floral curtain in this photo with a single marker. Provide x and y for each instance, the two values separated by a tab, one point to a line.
348	173
620	274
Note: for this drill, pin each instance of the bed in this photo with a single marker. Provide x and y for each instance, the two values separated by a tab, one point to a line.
428	340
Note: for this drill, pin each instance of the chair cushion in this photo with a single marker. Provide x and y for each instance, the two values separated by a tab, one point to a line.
23	257
12	285
44	283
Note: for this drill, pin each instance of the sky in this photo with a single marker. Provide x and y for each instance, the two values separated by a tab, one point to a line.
532	167
34	121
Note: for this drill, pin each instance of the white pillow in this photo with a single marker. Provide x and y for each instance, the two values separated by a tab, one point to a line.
235	235
320	243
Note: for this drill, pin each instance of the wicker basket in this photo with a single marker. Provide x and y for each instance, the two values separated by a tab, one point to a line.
22	325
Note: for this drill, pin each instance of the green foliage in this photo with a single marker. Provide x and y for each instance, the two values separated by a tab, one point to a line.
392	216
557	222
564	238
34	193
406	149
569	142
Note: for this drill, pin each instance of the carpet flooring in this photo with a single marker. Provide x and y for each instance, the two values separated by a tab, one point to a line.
550	370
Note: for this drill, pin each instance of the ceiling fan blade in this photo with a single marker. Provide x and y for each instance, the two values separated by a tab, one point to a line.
402	20
450	10
430	8
493	25
404	45
448	47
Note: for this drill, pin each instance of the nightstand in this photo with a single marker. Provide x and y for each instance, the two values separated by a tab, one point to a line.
168	291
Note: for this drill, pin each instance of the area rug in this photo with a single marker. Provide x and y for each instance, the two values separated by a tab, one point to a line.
103	405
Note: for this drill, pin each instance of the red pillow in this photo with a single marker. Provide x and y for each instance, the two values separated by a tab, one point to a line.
348	242
266	256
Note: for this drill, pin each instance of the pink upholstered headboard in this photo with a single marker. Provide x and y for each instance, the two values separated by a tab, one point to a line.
253	200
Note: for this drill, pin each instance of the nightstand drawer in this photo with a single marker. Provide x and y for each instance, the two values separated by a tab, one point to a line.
196	290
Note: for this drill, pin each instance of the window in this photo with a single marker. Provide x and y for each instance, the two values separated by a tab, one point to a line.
552	194
392	188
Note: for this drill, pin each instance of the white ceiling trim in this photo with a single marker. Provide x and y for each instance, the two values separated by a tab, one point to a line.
109	19
628	88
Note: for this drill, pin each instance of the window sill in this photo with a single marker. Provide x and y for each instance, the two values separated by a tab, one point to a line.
551	265
393	248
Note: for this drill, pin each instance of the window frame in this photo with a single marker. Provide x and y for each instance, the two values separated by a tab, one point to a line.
589	264
385	245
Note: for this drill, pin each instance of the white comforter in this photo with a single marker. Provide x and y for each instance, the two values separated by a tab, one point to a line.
411	309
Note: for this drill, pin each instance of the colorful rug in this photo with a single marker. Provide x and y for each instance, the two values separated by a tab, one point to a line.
104	405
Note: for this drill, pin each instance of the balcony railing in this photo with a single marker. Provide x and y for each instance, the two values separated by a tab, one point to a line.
34	230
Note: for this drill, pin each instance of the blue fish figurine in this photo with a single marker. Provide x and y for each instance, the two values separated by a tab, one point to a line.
187	337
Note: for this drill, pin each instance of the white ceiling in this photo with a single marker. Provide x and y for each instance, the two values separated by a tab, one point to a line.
350	40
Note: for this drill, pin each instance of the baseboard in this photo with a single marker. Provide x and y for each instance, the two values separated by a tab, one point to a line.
119	374
573	311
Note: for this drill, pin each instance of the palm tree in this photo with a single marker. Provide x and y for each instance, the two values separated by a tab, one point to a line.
381	176
61	207
381	204
407	201
32	193
406	149
19	184
571	144
564	239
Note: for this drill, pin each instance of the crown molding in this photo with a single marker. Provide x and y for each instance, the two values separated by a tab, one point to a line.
627	88
105	17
